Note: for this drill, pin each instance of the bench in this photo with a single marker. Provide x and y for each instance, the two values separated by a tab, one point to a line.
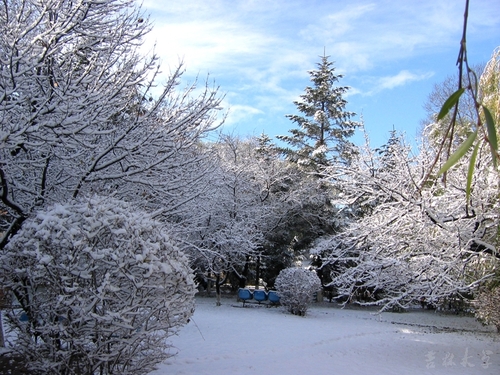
259	296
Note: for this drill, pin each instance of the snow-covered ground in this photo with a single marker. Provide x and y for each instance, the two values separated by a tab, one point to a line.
330	340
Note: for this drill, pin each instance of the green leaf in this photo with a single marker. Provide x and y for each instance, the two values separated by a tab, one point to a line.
470	172
461	151
492	134
449	103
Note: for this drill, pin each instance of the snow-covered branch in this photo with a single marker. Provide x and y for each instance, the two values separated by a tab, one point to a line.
403	244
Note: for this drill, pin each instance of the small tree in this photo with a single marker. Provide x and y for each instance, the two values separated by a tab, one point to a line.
100	286
296	287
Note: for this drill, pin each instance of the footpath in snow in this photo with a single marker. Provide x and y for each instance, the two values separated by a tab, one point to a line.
330	340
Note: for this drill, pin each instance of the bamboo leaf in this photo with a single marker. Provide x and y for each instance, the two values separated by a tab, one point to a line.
449	103
492	134
470	172
461	151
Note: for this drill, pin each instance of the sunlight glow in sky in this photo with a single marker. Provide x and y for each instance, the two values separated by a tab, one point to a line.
391	53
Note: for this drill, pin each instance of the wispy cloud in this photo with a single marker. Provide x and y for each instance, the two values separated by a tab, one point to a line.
259	51
237	34
373	85
238	113
361	35
336	25
402	78
208	45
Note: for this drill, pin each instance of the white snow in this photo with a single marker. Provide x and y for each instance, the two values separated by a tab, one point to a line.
330	340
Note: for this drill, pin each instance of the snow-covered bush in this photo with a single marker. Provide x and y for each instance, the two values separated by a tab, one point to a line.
100	286
296	288
487	306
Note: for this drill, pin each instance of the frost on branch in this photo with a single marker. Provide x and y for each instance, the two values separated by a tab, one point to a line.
296	287
102	287
81	111
405	244
487	306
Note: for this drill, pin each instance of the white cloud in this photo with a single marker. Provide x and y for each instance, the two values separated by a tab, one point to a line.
378	84
259	51
336	25
207	45
400	79
238	113
359	34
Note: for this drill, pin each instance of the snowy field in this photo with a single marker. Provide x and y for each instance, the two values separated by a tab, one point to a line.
330	340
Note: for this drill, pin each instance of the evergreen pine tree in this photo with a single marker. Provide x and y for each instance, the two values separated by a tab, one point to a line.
265	148
324	125
389	151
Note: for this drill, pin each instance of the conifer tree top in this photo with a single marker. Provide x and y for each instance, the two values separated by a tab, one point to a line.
323	125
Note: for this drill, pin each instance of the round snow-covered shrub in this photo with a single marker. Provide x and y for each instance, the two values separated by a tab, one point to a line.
99	287
296	288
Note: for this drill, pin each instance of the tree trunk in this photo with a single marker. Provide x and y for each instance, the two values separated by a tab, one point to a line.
257	273
4	303
217	288
2	341
209	285
243	280
319	295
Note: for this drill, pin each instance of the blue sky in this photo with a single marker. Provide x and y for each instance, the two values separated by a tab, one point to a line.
391	53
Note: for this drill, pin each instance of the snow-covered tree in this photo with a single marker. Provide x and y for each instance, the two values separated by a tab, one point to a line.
225	225
296	287
388	152
417	240
489	85
78	110
324	125
100	285
321	138
300	206
256	216
467	114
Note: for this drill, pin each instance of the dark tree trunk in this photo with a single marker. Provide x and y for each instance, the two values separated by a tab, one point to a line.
243	280
217	288
257	273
